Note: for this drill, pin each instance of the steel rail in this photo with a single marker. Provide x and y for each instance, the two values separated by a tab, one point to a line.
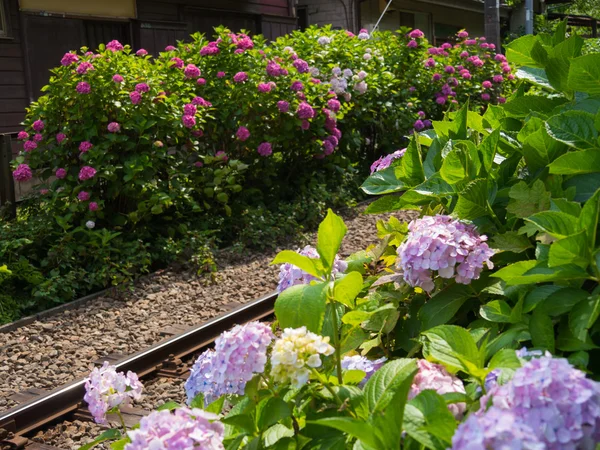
40	411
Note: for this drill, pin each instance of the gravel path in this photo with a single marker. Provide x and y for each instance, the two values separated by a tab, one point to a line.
58	349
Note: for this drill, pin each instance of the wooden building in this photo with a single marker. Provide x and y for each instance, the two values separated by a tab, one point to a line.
34	34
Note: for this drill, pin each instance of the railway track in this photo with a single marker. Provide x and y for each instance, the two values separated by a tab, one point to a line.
163	358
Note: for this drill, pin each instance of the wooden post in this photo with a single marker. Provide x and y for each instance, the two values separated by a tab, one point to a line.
7	186
492	23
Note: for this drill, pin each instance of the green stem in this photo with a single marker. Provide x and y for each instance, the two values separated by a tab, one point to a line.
336	334
325	383
122	420
495	217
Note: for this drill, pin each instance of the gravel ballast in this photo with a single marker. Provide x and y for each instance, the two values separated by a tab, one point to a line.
61	348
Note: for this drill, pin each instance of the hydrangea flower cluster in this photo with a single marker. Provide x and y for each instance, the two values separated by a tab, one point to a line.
290	275
113	127
114	46
68	59
443	244
83	87
238	354
22	173
386	161
559	405
357	362
87	173
295	353
106	389
265	149
182	429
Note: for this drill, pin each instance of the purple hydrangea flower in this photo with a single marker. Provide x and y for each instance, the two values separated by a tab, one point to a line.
93	206
240	77
412	44
105	389
418	125
114	127
60	173
199	101
283	106
436	77
188	121
212	48
290	275
22	173
29	146
385	161
85	146
86	173
462	34
177	62
84	67
242	133
305	111
191	71
274	69
301	65
265	149
334	104
114	46
485	97
430	62
363	363
183	428
264	87
117	78
297	86
135	97
443	244
449	69
238	355
38	125
83	87
69	58
142	87
83	196
498	78
201	81
486	84
37	137
437	378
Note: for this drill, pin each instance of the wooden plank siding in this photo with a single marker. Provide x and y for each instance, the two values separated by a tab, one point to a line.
13	90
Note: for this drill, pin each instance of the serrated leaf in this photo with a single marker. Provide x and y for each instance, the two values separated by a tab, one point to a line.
270	411
442	307
453	346
574	128
302	305
428	420
583	316
559	301
584	74
347	288
472	200
590	217
523	106
412	166
354	427
534	75
496	311
526	200
574	163
394	378
529	272
573	249
555	223
383	182
510	241
518	51
542	331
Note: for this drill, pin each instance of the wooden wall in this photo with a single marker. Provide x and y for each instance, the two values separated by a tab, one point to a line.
14	96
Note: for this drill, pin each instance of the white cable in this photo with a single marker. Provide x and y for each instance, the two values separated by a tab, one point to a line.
382	14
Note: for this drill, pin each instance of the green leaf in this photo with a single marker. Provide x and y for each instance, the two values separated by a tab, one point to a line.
454	168
354	427
428	420
570	250
569	343
585	185
526	200
107	435
518	51
347	288
216	406
496	311
443	306
574	163
276	433
590	217
574	128
542	331
453	346
583	316
409	200
270	411
459	124
120	444
472	200
561	301
308	265
528	272
522	107
540	149
488	148
557	66
564	205
170	406
329	238
584	74
412	166
505	358
510	241
383	182
302	305
391	380
534	75
555	223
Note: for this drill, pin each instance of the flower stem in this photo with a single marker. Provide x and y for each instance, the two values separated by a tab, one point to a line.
325	383
336	334
122	420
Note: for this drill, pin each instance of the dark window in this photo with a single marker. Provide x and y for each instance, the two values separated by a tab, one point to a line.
3	20
302	18
407	19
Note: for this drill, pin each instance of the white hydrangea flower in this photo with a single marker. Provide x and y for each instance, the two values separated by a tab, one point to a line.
361	87
295	353
367	56
314	72
324	40
90	224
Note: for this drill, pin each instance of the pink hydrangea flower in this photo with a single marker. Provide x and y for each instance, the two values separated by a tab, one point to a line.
69	58
471	42
412	44
23	135
265	149
201	81
84	67
305	111
44	191
117	78
29	146
242	133
436	77
221	155
486	84
85	146
283	106
301	65
416	34
297	86
86	173
220	74
135	97
114	46
485	97
83	87
305	125
60	137
199	101
462	34
240	77
501	100
37	137
188	121
38	125
189	109
177	63
142	87
169	48
141	52
430	62
498	78
211	49
93	206
198	164
264	87
449	69
60	173
114	127
191	71
274	69
83	196
22	173
334	104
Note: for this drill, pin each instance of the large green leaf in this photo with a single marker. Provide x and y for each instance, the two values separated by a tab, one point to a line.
383	182
347	288
111	434
518	51
558	64
585	185
488	148
540	149
583	316
526	200
429	421
302	305
442	307
394	378
270	411
354	427
329	238
573	163
534	75
542	330
558	300
590	217
496	311
510	241
308	265
529	272
555	223
573	249
454	167
388	203
472	200
584	74
412	166
453	346
276	433
524	106
574	128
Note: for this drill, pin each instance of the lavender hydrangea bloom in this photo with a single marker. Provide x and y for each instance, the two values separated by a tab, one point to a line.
385	161
183	429
443	244
367	365
497	430
557	401
437	378
106	389
238	355
290	275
